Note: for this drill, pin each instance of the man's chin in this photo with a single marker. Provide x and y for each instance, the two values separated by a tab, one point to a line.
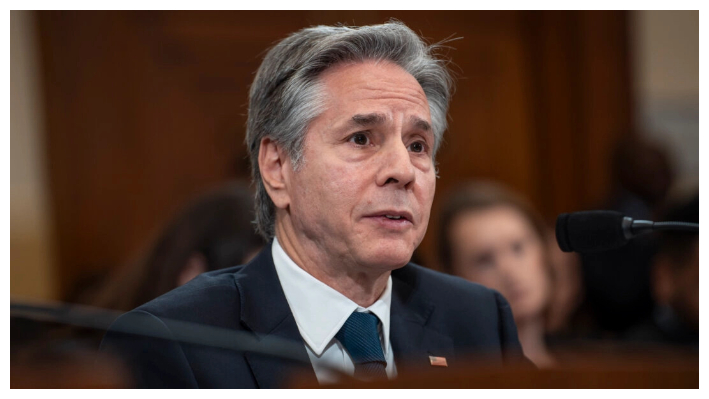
389	259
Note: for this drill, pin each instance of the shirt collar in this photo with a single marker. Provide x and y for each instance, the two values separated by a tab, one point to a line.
318	309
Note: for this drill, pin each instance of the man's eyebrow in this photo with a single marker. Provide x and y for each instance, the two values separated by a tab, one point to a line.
365	120
420	123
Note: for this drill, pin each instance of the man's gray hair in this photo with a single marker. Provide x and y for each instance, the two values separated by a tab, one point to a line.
286	94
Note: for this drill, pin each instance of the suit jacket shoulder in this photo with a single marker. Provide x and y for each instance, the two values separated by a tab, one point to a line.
432	314
477	319
206	299
158	359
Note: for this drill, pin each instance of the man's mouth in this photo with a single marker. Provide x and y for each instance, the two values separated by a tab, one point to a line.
393	216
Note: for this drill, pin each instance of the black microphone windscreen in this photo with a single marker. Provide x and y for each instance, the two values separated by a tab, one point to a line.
590	231
562	237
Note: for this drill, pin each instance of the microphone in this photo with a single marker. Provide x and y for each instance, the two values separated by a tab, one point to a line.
598	231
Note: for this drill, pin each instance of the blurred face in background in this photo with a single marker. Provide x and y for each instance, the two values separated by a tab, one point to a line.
498	247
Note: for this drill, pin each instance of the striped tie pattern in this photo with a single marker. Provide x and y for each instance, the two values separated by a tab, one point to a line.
360	336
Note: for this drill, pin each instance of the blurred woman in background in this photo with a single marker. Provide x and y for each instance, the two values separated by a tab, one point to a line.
490	235
212	232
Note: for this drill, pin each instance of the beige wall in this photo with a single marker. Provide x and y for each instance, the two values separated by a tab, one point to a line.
31	271
666	71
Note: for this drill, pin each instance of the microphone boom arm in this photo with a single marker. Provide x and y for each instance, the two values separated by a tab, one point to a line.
643	226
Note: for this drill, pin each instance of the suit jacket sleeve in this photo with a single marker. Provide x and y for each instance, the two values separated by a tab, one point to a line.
153	362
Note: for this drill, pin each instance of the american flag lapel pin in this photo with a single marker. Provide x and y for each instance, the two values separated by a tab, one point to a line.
438	361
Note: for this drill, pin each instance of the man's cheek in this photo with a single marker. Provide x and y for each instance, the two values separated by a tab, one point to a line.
341	182
425	197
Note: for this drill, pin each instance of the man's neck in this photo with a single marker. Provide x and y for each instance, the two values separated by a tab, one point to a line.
360	285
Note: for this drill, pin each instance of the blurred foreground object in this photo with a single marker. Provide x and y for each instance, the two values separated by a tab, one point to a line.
581	370
44	343
59	363
77	371
43	354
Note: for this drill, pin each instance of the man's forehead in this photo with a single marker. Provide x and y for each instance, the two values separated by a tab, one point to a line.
357	90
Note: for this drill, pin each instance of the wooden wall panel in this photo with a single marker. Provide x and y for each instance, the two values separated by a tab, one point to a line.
606	107
146	109
552	73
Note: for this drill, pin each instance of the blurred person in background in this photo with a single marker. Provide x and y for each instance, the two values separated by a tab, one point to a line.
675	282
642	175
617	282
213	232
490	235
567	294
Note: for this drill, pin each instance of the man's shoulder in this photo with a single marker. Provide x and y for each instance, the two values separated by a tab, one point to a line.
208	296
450	294
473	315
167	342
440	285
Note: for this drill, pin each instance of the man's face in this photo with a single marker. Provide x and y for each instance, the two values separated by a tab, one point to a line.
363	194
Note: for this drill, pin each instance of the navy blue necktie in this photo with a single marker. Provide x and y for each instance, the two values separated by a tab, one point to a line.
360	336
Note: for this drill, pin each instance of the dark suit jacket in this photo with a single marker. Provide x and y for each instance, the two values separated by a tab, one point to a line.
431	314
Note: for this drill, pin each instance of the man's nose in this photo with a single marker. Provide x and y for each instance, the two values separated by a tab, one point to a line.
396	168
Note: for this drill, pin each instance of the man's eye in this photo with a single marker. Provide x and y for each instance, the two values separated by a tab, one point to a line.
359	139
417	147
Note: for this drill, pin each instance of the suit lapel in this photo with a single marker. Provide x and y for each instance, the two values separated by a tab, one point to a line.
412	340
265	311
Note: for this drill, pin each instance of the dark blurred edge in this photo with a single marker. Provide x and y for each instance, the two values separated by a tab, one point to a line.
592	367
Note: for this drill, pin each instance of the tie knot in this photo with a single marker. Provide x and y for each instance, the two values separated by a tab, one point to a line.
360	336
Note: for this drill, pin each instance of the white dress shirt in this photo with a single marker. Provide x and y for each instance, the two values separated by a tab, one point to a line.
320	312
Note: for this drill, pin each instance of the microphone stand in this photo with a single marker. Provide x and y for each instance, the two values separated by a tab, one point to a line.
182	331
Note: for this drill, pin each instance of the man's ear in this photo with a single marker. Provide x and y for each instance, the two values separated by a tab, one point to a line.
272	161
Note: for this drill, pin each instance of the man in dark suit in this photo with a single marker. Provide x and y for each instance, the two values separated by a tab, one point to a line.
343	128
